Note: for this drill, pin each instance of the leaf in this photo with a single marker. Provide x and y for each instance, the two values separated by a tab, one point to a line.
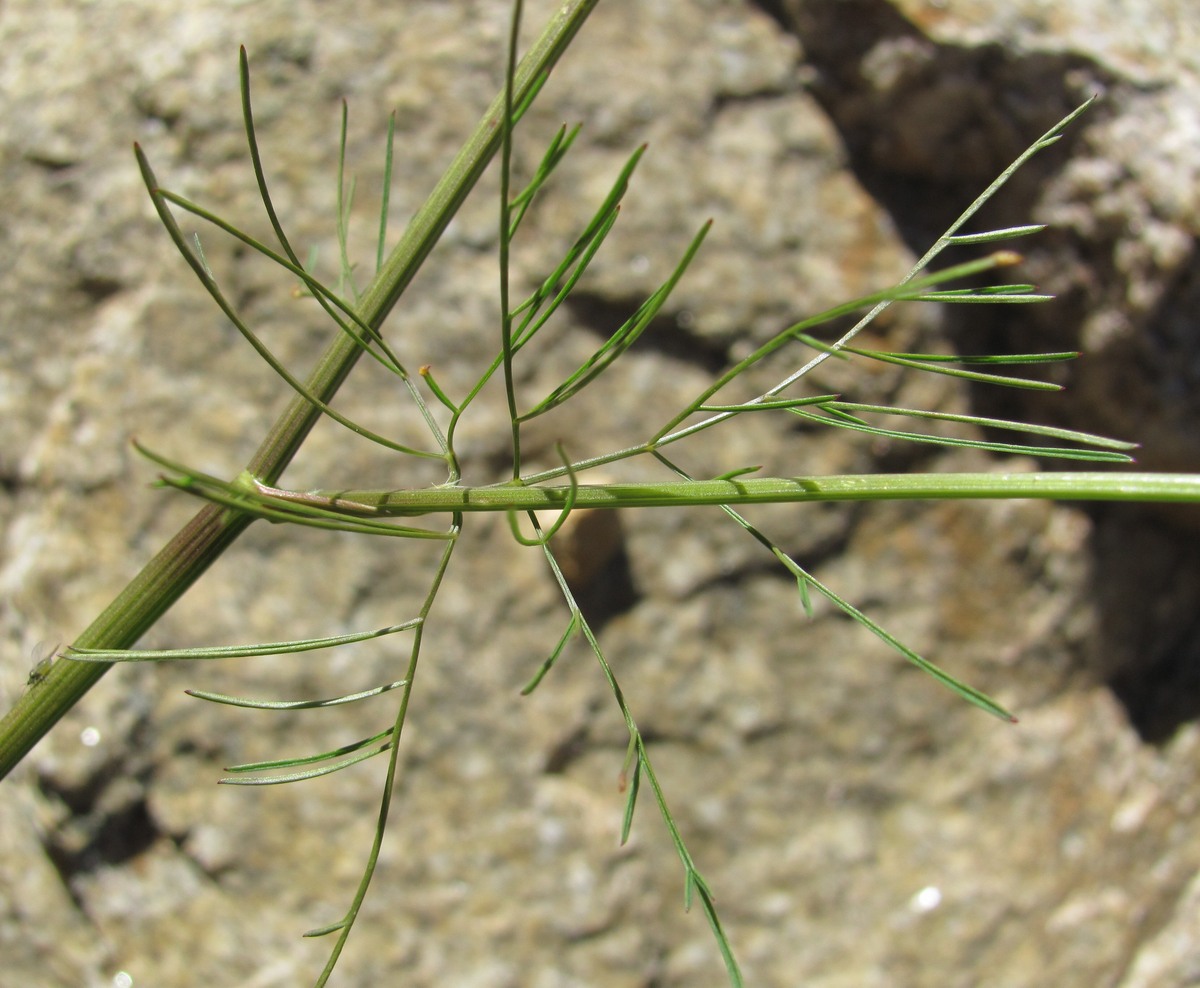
234	701
622	339
231	651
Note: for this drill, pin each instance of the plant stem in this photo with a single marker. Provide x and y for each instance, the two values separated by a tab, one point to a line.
185	558
1063	486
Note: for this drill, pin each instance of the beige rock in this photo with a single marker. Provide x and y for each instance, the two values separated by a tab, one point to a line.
858	825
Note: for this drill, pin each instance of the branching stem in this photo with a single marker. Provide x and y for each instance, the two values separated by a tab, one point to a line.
186	557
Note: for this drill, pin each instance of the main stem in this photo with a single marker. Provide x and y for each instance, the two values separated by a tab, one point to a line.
185	558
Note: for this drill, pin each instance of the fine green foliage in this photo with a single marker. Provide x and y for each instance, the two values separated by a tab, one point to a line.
438	514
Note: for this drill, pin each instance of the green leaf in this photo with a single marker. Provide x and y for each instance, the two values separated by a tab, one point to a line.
633	788
993	236
325	756
835	416
559	145
234	701
548	663
767	406
1051	432
937	366
622	339
231	651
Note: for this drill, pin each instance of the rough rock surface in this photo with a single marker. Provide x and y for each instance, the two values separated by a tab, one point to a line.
859	826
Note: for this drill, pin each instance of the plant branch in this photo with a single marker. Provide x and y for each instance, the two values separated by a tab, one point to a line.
1059	485
185	558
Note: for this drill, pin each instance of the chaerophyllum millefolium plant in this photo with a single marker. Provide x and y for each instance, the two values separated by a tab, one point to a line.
538	502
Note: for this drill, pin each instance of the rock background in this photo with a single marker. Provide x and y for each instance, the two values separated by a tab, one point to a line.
860	826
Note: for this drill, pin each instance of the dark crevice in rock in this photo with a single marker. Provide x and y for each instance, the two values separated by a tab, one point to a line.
610	593
567	750
96	835
148	103
1146	583
108	820
51	162
1153	365
580	740
774	9
1171	385
832	545
98	288
1165	695
926	127
665	335
733	102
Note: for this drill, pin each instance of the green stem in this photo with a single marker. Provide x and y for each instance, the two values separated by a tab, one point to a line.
185	558
1059	486
385	803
